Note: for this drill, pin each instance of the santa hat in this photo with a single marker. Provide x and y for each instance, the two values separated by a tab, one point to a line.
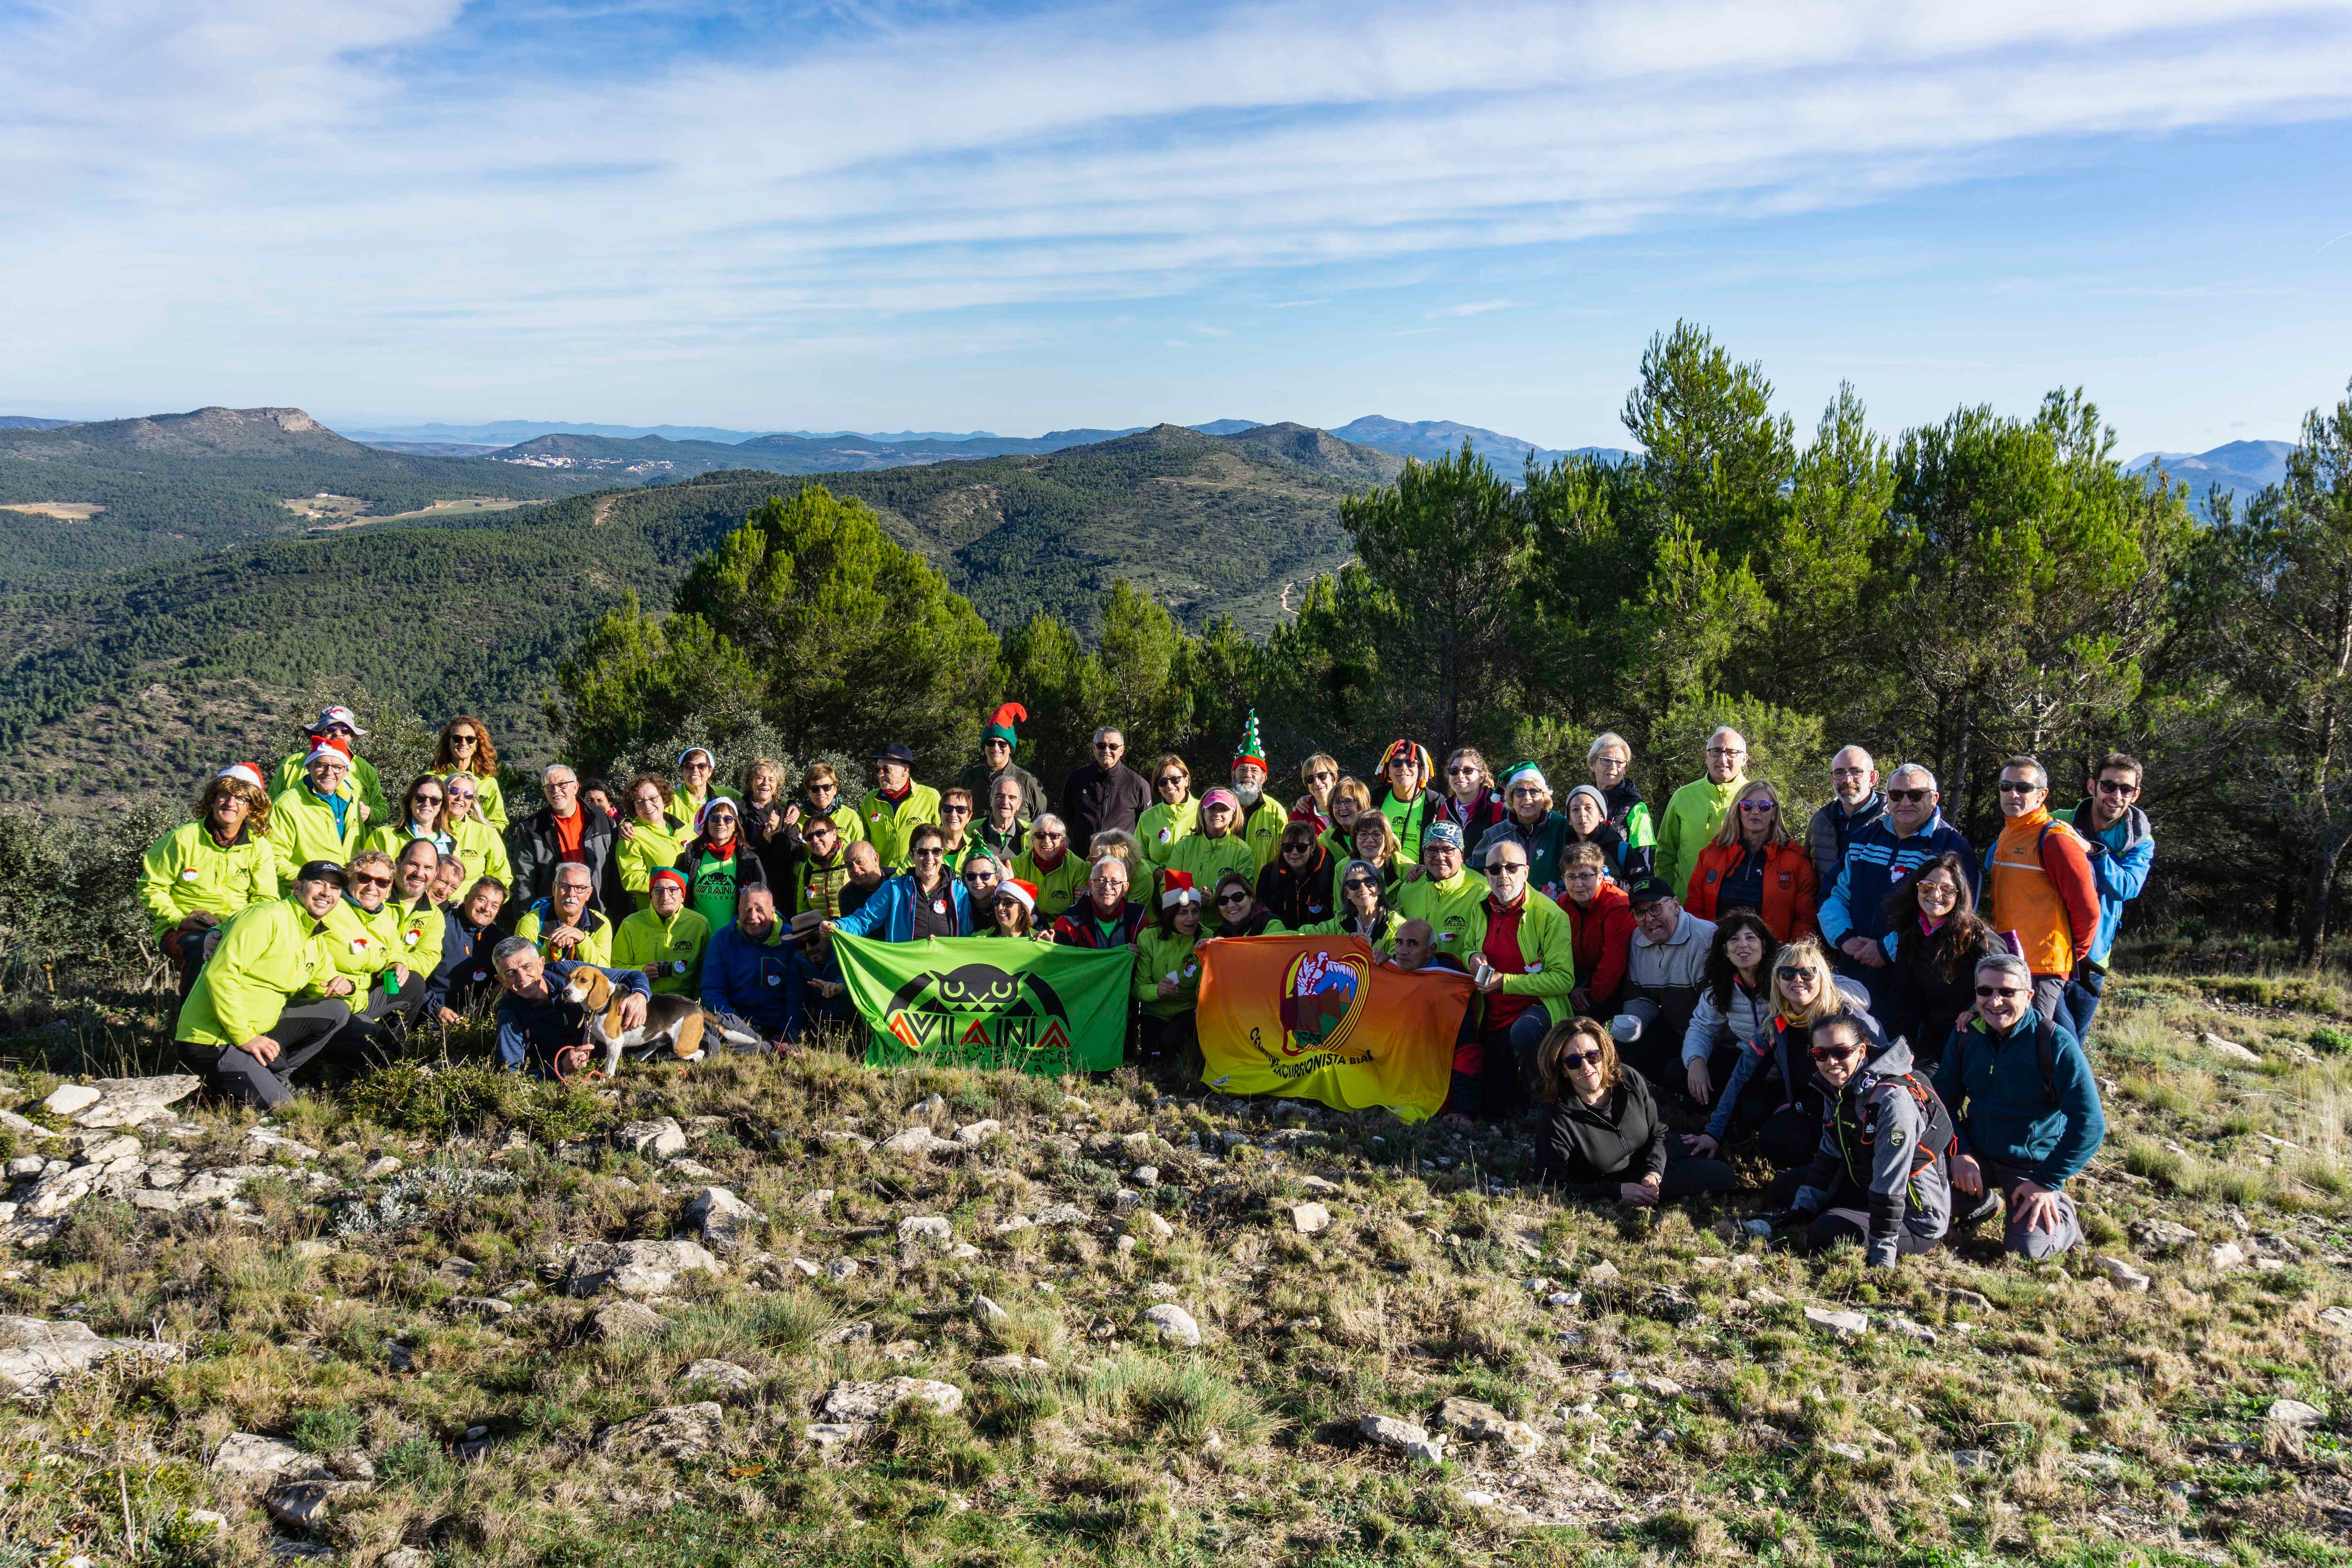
1177	888
243	773
1511	775
1412	752
1025	891
1252	751
1000	723
328	748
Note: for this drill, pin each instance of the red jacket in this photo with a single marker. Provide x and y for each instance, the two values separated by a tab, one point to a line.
1604	935
1790	887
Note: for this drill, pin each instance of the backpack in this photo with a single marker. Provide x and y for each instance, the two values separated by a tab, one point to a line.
1938	1139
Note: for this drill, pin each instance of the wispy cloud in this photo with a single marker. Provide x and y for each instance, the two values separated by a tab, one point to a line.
1476	308
334	161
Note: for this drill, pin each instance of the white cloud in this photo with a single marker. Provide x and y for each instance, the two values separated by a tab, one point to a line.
341	170
1475	307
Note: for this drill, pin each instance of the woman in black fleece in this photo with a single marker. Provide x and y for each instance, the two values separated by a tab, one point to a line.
1602	1137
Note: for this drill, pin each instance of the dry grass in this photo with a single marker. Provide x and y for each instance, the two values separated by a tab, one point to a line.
1688	1412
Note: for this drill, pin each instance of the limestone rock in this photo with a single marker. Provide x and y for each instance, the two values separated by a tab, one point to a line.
625	1320
2157	1237
2337	1317
717	1214
927	1231
636	1267
2291	1415
2229	1255
850	1400
987	1311
915	1140
842	1268
246	1459
1401	1438
1147	1225
679	1432
1061	1214
724	1375
2122	1275
1002	1366
2229	1050
35	1354
1479	1422
1308	1219
1601	1276
1173	1324
134	1101
304	1505
656	1140
1845	1325
26	1168
972	1135
68	1098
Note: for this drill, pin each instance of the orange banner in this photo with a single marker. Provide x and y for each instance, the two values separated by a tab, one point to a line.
1322	1017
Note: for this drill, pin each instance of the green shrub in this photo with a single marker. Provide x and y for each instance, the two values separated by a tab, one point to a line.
415	1097
329	1431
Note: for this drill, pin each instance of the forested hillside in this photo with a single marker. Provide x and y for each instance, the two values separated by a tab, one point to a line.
127	492
129	690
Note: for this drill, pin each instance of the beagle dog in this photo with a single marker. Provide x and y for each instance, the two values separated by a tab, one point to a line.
677	1022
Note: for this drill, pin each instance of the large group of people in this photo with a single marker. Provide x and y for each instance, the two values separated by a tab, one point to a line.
1891	1019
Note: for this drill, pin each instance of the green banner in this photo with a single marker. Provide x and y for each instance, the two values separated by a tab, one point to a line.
968	1001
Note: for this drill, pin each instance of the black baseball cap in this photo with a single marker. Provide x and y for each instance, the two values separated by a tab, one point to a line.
896	751
323	871
1649	891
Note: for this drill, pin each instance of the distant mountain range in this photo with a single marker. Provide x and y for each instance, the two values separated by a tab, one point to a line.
2239	467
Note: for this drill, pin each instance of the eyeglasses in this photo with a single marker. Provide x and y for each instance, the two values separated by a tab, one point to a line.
1109	746
955	811
1725	751
1991	991
2017	786
370	881
1580	1059
562	786
1579	873
1908	796
1174	781
1466	770
1835	1053
694	768
2124	791
1849	772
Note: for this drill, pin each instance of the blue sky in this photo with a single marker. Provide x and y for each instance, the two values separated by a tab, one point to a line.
950	217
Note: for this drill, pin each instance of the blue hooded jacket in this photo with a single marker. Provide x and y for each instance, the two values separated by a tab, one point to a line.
889	914
1876	859
2121	859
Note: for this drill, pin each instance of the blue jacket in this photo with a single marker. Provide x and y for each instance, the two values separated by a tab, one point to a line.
2120	860
803	1007
889	914
1992	1086
1876	860
534	1031
746	977
465	968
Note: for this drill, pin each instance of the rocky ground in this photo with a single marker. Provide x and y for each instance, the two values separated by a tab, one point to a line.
804	1311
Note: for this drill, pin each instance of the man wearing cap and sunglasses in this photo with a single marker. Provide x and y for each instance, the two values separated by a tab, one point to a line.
896	806
2026	1112
241	1028
1909	834
665	941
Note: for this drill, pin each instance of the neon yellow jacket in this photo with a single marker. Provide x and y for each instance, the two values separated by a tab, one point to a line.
1452	908
1157	957
482	851
1057	889
595	946
646	851
293	772
1383	943
1547	945
359	945
267	952
676	944
1264	830
187	871
887	826
681	812
392	840
1694	814
1399	864
302	829
1158	829
1205	859
491	802
412	934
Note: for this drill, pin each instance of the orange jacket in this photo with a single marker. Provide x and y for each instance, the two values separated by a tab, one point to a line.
2038	884
1790	887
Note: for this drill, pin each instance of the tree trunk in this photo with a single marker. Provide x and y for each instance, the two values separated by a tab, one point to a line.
2318	885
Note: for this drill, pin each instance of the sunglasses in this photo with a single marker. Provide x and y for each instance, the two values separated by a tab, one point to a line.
2109	786
1580	1059
370	881
461	740
1174	781
1834	1053
1758	807
2016	786
432	799
1359	885
1989	990
930	852
1109	746
1239	899
1321	775
1793	972
979	876
1508	868
462	794
955	811
1907	796
1463	772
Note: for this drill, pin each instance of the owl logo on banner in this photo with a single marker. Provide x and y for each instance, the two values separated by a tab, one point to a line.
1322	1001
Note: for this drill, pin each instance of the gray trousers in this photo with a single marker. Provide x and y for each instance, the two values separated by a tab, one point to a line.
2014	1236
301	1033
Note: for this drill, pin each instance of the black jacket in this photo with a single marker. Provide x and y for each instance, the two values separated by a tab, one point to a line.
466	975
1917	999
980	779
536	855
1592	1148
1298	899
1093	800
